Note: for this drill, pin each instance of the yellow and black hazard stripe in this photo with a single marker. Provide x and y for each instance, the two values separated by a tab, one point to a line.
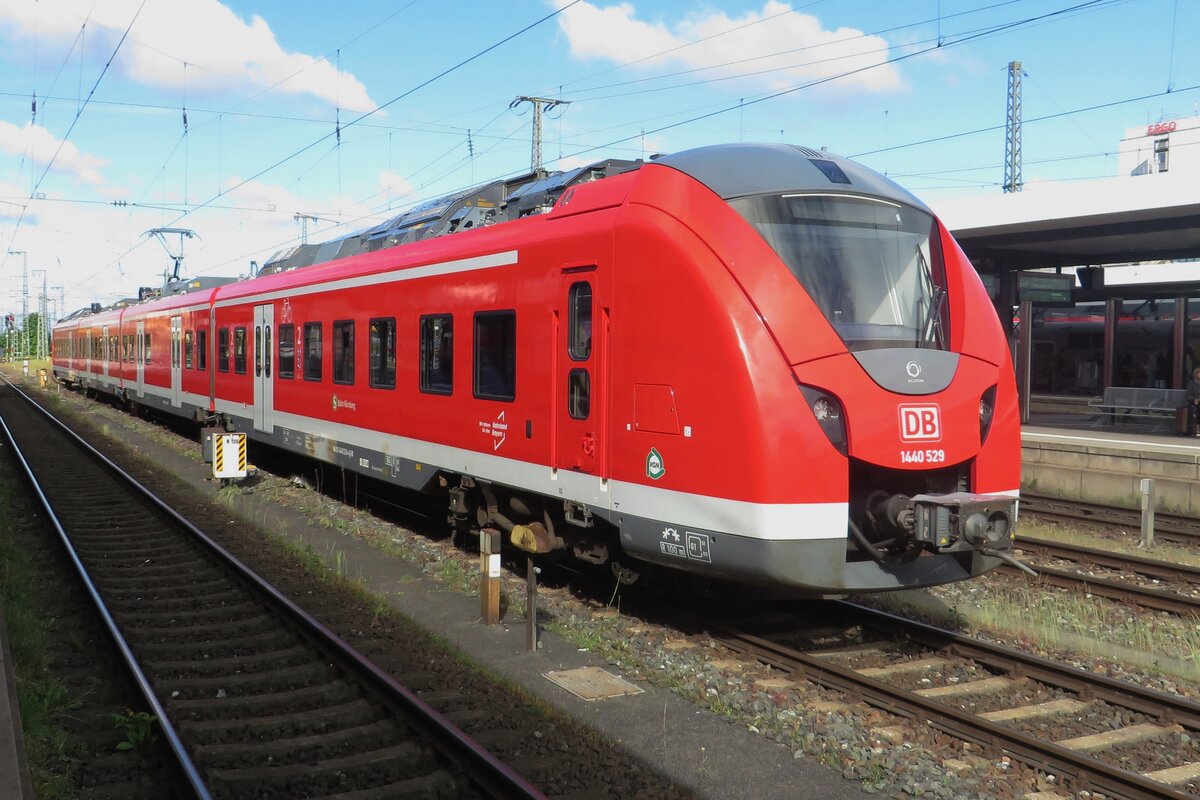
242	454
218	455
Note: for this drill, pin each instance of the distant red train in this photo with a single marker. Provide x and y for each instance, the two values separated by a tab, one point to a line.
759	362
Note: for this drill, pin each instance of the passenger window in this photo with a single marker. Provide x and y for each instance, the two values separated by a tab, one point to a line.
312	351
146	358
239	351
579	301
579	388
496	355
437	354
223	350
383	353
343	351
287	351
258	349
202	350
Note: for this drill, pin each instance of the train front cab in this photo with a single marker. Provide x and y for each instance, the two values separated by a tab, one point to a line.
818	480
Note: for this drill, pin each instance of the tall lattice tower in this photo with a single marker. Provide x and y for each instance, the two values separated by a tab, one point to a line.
1012	130
539	104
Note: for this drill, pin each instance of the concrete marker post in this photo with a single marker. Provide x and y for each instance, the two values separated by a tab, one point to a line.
531	572
489	575
1147	512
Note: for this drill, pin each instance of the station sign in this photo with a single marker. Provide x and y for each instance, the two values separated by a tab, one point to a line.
1043	288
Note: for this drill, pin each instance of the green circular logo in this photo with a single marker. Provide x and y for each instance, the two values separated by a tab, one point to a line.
655	468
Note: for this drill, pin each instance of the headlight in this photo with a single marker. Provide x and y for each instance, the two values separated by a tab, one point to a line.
827	410
987	409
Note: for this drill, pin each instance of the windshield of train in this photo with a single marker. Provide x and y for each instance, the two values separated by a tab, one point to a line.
872	266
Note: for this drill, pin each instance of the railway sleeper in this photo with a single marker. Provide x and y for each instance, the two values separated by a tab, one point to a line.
195	668
344	715
204	633
240	707
160	618
273	639
378	734
412	767
309	674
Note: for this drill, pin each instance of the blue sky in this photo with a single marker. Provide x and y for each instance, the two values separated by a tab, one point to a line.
265	85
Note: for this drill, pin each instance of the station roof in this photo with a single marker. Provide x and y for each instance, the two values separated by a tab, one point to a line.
1095	222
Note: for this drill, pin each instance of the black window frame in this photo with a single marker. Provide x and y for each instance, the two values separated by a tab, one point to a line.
579	403
223	349
508	353
239	359
316	326
290	358
202	350
579	345
189	348
427	375
343	352
381	335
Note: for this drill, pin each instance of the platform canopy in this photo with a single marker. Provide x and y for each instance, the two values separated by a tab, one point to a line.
1081	223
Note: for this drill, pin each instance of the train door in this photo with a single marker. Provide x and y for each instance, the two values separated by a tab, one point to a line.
177	361
264	385
579	346
104	354
139	349
70	353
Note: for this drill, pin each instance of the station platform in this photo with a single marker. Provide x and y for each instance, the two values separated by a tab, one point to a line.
1107	465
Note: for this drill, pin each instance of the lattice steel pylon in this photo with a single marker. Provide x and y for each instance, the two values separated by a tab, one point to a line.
1012	130
539	104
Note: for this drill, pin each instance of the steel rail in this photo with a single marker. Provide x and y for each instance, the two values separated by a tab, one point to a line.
186	765
1151	567
1110	588
1039	753
485	769
1168	527
1170	707
1118	590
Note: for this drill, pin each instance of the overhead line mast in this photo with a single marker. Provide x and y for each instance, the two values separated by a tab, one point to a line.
539	104
1012	130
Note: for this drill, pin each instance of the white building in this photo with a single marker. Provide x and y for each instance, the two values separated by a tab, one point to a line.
1169	146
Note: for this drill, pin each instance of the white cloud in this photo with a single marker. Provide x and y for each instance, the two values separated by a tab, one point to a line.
219	47
394	185
38	145
99	253
807	51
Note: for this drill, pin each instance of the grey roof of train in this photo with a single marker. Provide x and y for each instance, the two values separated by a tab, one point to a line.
735	170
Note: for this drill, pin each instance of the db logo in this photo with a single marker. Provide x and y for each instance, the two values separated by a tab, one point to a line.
920	423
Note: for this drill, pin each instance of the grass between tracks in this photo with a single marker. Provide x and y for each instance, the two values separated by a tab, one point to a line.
1125	542
1058	621
42	698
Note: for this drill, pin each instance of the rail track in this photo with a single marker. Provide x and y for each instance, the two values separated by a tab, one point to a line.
1183	598
1100	734
253	696
1167	527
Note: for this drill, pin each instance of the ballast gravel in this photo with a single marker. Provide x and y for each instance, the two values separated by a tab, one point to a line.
888	755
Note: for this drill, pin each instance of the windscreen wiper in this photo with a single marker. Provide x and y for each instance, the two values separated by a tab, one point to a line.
932	326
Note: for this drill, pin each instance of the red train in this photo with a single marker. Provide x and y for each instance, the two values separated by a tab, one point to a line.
759	362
